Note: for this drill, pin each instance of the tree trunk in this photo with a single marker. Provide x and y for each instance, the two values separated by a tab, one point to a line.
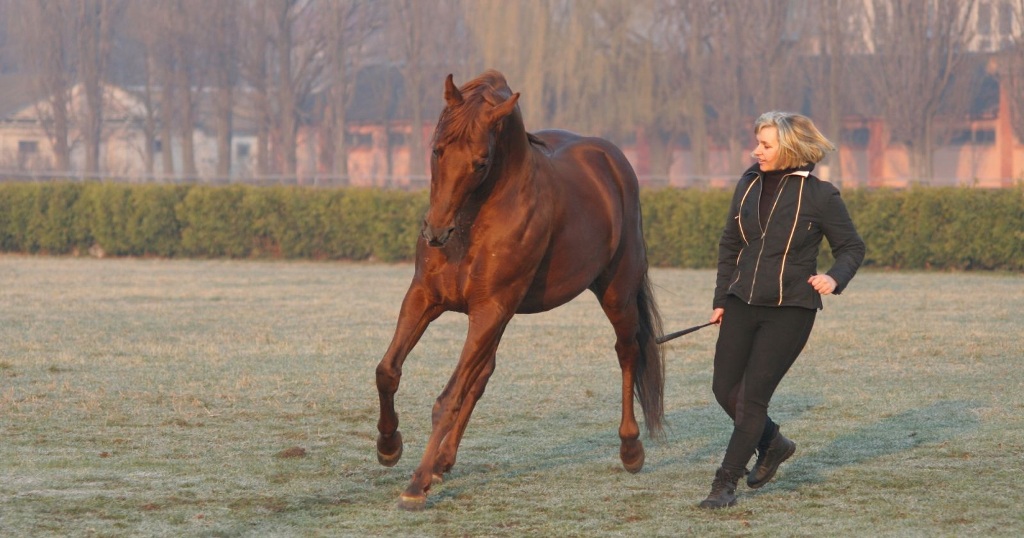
92	44
224	120
166	123
149	127
287	120
834	64
186	115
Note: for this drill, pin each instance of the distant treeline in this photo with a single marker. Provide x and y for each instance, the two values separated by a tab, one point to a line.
917	228
680	73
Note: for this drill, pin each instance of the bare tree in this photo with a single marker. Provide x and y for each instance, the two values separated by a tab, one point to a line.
94	28
753	56
295	63
254	72
1013	59
281	20
421	32
191	59
45	36
672	84
575	87
137	20
219	39
837	40
347	26
695	80
162	40
836	18
515	38
920	49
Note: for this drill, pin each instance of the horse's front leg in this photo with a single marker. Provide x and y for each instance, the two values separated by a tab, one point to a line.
418	310
450	446
475	363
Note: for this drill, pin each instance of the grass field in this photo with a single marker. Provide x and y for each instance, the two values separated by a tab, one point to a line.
237	398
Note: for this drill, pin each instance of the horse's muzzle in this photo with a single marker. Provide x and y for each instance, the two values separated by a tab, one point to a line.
436	237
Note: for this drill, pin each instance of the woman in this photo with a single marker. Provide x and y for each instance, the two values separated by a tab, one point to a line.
768	290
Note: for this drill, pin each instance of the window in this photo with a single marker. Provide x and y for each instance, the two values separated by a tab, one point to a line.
978	137
984	18
396	139
242	151
28	147
1005	19
985	137
856	138
158	145
27	151
360	139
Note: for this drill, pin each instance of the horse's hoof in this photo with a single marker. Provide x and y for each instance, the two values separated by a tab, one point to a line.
632	455
634	467
389	459
412	503
436	479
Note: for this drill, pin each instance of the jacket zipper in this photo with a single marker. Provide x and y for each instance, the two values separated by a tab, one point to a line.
764	231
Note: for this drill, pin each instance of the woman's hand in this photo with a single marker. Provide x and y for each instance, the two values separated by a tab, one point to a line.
716	316
822	284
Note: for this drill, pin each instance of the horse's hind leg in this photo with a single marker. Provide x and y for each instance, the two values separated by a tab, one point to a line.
631	451
450	446
416	314
621	309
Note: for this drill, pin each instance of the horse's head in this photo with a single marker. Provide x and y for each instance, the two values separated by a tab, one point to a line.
466	148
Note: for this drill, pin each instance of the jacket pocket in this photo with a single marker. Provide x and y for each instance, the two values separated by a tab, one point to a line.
807	233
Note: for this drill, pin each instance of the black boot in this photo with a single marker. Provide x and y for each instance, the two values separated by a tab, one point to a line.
723	490
769	459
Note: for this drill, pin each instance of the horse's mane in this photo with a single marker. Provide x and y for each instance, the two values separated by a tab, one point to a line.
455	123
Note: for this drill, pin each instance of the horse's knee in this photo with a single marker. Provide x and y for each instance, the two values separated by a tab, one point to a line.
387	378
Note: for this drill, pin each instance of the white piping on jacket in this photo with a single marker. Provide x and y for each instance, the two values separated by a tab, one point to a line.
792	231
796	218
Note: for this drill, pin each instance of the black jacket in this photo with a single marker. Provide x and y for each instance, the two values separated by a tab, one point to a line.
770	267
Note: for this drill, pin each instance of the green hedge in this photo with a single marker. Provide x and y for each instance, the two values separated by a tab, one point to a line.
918	228
209	222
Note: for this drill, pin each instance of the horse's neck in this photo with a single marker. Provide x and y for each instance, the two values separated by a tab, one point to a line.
516	148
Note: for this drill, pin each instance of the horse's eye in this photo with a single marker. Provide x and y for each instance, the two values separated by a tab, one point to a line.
480	165
438	152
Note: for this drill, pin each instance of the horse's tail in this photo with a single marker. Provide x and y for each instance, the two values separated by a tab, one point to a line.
649	372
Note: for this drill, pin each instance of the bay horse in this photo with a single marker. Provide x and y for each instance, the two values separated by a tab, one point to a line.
520	223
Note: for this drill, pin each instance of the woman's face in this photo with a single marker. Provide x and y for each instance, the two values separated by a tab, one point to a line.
767	150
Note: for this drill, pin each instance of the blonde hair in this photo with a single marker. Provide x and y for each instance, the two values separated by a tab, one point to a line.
800	142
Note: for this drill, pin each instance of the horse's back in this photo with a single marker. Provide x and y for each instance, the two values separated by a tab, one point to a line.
599	158
592	168
595	215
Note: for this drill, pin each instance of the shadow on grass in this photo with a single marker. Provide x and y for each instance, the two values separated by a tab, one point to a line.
708	424
933	424
902	432
709	428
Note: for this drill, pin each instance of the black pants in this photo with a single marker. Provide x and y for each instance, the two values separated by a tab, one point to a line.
756	346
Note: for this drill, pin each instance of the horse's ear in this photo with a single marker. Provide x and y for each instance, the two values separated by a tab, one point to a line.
504	109
452	95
